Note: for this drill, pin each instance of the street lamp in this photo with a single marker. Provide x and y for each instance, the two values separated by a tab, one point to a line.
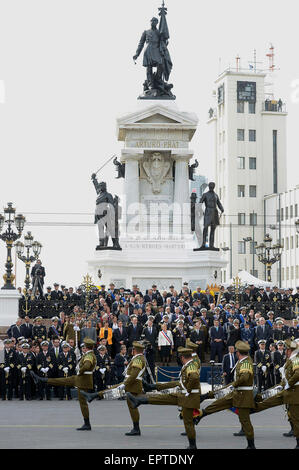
28	259
9	237
268	254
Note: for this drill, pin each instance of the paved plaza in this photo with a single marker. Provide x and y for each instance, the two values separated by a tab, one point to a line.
52	425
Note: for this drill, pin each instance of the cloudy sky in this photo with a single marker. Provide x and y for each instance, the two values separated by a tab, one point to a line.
66	74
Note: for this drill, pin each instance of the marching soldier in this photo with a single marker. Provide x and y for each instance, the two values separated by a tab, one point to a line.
290	394
262	358
45	368
39	331
242	395
133	384
188	397
83	380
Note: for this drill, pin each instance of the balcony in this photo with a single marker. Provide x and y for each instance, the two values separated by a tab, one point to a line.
274	106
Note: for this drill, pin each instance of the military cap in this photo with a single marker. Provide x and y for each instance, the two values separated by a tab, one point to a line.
203	310
185	351
38	318
21	339
101	347
165	316
191	345
54	319
151	317
242	347
279	321
65	345
232	302
171	287
236	320
55	284
49	288
7	341
44	343
228	306
89	342
270	313
280	342
25	346
138	345
291	344
262	341
181	321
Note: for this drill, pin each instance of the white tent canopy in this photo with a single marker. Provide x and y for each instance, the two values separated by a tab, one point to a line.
247	279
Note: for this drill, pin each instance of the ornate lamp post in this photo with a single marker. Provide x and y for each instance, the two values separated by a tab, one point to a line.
28	259
9	237
268	254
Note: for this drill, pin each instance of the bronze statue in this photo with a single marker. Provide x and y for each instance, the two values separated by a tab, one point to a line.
192	169
211	217
106	216
120	167
156	56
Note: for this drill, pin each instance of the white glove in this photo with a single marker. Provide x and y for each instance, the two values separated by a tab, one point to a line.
121	387
286	387
65	370
6	369
281	370
102	371
264	368
23	369
42	370
46	370
76	328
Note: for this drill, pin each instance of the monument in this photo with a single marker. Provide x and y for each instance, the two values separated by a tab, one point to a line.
155	166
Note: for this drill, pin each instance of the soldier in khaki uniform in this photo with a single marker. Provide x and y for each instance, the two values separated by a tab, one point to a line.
83	380
290	395
132	382
242	395
188	397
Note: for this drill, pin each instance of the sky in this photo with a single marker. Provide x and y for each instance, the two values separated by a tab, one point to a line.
67	73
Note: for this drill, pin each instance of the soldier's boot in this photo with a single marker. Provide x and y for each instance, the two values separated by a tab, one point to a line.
251	444
89	396
297	446
192	444
137	401
86	426
240	433
135	431
290	433
148	387
37	379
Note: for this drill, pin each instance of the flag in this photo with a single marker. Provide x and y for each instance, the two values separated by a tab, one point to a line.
164	34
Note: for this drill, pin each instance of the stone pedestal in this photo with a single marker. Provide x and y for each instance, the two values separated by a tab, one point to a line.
9	307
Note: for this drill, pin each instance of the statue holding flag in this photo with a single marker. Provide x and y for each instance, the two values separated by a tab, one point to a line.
156	56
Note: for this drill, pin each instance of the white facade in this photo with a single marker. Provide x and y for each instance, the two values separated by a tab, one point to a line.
250	163
281	214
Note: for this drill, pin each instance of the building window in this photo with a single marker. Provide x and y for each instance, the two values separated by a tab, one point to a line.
297	241
240	107
292	243
252	163
224	276
287	243
241	190
296	210
252	191
241	135
287	213
242	248
251	108
288	274
291	212
241	218
252	135
253	219
297	271
241	163
277	215
282	274
253	246
281	215
292	272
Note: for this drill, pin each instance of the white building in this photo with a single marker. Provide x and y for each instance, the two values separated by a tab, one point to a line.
249	130
281	211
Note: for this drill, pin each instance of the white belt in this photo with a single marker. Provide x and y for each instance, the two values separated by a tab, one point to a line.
296	384
88	373
244	388
137	378
192	391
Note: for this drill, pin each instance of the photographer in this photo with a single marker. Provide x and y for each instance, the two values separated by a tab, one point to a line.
38	274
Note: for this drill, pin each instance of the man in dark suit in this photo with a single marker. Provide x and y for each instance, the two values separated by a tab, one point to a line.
150	334
134	331
228	364
197	336
120	363
120	337
26	328
263	331
216	341
15	330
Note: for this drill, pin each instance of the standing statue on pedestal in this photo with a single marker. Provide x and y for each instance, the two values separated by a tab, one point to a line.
106	216
211	217
157	56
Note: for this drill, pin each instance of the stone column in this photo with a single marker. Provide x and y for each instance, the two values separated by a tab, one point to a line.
181	194
131	186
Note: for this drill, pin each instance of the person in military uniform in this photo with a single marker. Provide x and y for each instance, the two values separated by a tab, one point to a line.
279	359
103	368
188	397
7	370
25	365
83	380
290	394
45	368
242	395
66	365
262	359
133	384
39	331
